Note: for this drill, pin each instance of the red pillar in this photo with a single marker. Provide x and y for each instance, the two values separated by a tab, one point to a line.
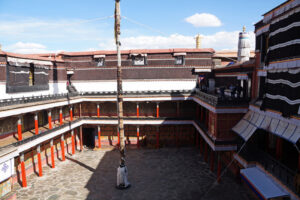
202	110
201	146
197	139
219	168
60	116
39	160
36	124
52	154
177	138
157	138
23	171
99	137
98	110
197	112
157	110
62	146
137	110
207	118
212	160
49	119
71	114
80	137
138	137
73	142
178	109
20	129
205	152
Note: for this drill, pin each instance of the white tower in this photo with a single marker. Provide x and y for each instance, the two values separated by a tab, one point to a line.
243	46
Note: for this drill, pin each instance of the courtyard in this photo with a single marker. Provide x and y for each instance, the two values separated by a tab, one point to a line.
167	173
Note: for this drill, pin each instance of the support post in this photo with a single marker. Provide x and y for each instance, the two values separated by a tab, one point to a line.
23	171
118	138
73	142
60	116
36	123
71	113
99	137
157	137
202	114
62	146
138	137
197	112
137	110
205	152
157	110
98	110
212	160
178	109
52	154
219	168
80	137
39	160
20	128
201	146
278	148
49	119
197	139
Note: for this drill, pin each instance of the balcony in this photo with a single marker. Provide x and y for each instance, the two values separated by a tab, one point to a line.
216	100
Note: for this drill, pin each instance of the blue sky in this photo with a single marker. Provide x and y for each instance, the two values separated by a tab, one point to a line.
38	26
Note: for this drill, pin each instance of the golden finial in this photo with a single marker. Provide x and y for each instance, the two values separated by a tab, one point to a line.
244	29
198	41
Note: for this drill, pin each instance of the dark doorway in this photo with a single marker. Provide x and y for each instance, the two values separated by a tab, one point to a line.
88	137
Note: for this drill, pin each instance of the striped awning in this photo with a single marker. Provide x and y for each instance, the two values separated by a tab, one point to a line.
253	121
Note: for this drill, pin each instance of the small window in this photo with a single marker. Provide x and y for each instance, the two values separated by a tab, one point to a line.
100	62
179	60
139	60
31	75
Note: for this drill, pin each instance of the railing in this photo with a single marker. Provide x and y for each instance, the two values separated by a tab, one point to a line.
277	169
216	99
33	99
41	134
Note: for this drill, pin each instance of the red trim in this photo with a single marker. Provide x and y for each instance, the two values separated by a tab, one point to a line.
40	164
23	172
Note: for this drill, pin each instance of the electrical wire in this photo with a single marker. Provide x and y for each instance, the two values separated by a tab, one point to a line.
143	25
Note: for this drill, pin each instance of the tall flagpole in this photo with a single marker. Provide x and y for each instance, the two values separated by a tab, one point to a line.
122	181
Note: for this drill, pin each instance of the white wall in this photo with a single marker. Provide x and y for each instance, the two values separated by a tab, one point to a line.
54	88
135	85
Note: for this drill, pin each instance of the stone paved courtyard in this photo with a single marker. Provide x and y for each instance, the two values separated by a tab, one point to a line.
166	174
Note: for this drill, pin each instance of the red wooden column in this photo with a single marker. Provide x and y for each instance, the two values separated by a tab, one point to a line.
52	154
80	137
39	160
138	136
157	110
219	168
157	137
99	137
202	114
137	110
71	113
212	160
201	146
23	171
205	151
49	119
62	146
98	110
197	112
73	142
197	139
178	109
20	128
207	118
118	136
177	137
60	116
36	123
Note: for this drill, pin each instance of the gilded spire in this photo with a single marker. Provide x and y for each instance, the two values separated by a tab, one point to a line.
198	41
244	29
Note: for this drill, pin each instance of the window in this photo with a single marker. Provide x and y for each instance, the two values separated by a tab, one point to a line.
100	62
139	60
31	75
179	60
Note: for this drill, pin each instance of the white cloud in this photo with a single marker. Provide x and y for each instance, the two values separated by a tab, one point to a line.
21	47
203	20
218	41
